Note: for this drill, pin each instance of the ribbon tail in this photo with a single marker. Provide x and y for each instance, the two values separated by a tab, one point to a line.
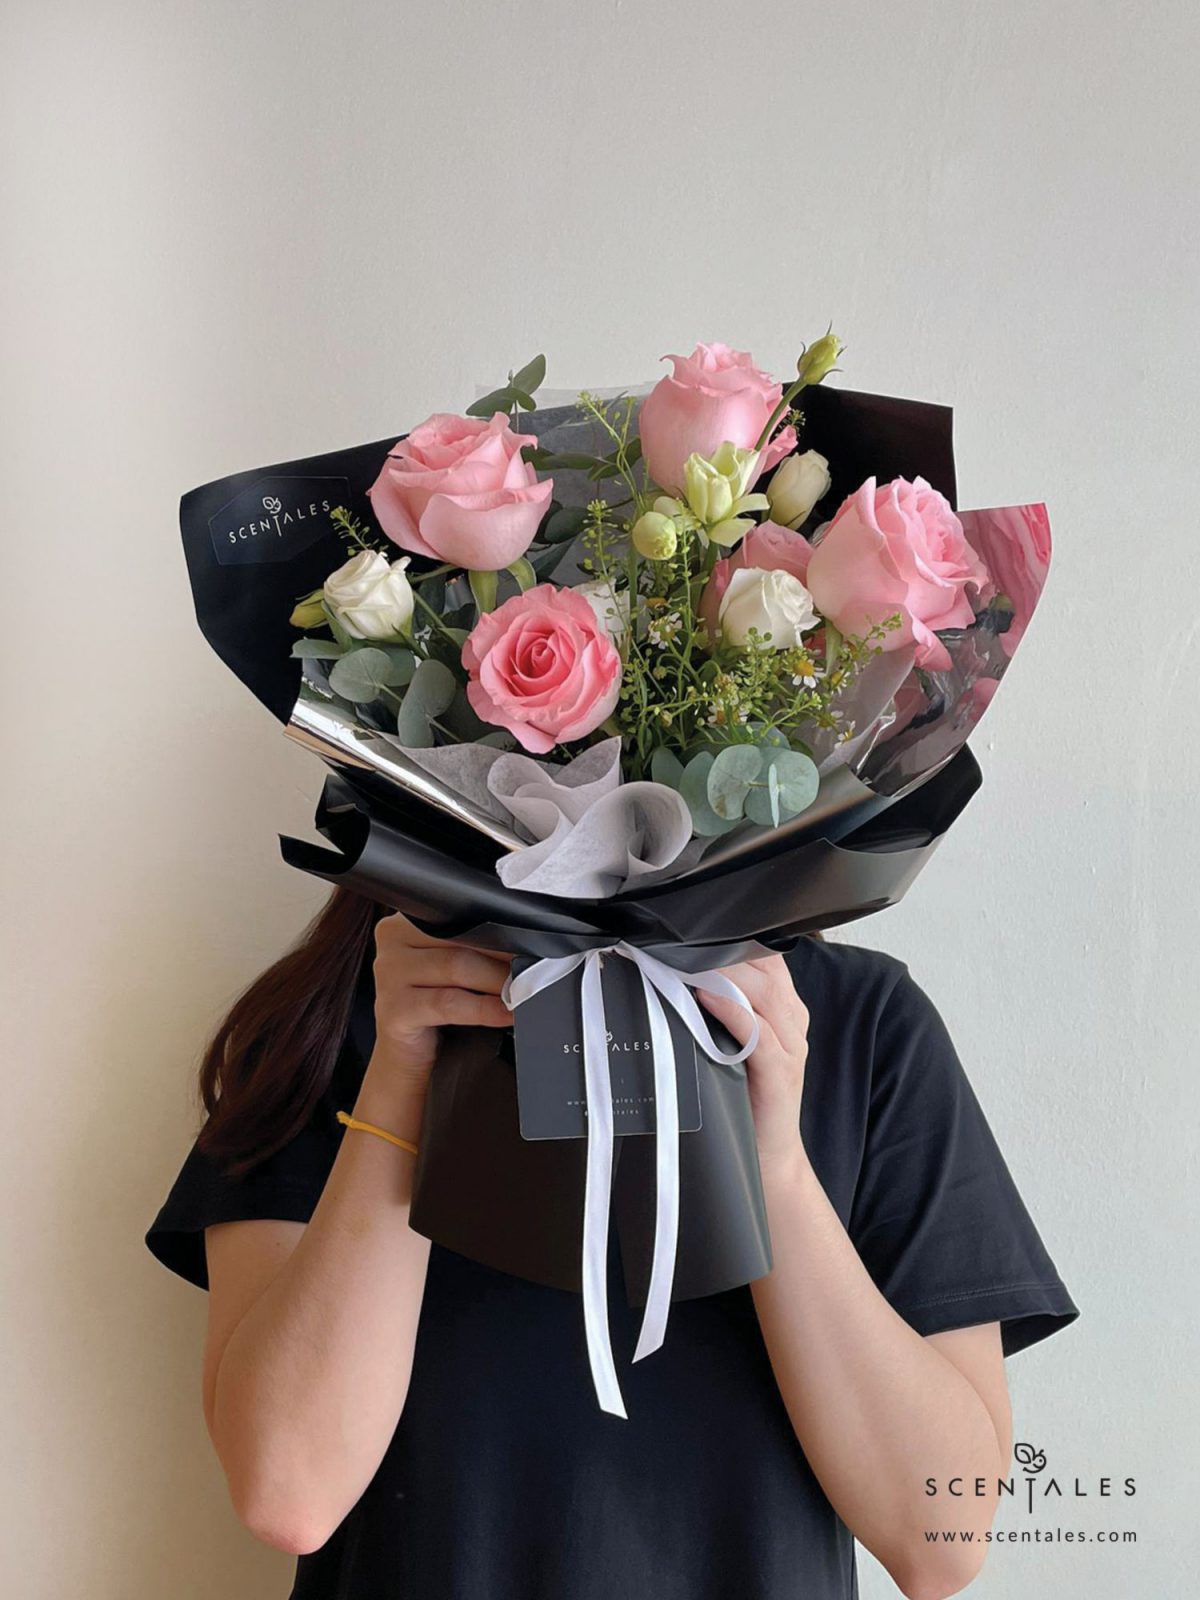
597	1191
666	1214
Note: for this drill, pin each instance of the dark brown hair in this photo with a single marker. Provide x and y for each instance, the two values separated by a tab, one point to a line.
272	1058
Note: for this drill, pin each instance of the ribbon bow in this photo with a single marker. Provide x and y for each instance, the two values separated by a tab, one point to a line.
659	982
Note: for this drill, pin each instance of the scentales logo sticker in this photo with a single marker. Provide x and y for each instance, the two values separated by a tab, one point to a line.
275	518
1033	1485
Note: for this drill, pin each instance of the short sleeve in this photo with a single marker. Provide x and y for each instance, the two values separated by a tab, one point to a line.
285	1187
936	1216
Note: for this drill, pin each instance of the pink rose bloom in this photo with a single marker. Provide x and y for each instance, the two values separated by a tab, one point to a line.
457	490
714	395
768	547
543	666
898	548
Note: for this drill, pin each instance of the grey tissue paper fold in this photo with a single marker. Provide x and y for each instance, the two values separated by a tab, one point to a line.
588	834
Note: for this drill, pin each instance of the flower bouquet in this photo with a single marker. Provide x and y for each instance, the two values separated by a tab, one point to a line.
629	689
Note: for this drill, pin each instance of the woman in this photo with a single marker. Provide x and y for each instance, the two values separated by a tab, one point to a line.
413	1424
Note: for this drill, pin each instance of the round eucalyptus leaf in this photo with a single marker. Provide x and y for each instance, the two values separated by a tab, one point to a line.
317	649
733	770
359	675
798	780
433	687
666	767
693	786
762	803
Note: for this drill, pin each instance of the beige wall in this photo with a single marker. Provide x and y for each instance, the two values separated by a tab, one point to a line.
239	233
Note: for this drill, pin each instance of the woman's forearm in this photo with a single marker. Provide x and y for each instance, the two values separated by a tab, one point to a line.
876	1408
312	1381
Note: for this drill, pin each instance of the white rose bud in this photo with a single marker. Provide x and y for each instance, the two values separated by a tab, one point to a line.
799	482
611	608
774	603
371	598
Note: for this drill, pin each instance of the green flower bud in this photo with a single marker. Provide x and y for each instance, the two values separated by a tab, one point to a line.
309	612
819	360
655	536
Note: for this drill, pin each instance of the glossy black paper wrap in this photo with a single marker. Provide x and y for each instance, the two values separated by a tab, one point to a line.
517	1205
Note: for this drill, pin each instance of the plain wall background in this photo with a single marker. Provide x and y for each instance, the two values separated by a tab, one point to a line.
238	234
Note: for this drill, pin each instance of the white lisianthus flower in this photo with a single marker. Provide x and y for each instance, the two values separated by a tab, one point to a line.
715	489
774	603
611	606
799	482
370	597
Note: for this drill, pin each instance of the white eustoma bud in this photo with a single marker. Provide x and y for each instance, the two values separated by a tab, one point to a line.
715	487
370	597
774	603
799	482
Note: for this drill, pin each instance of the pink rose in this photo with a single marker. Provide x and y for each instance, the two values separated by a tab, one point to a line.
898	548
715	394
767	547
543	666
458	490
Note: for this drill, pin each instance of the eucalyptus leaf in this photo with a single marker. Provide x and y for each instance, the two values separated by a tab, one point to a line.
666	767
404	663
531	376
360	675
434	686
693	786
762	803
317	649
524	400
799	781
431	692
729	779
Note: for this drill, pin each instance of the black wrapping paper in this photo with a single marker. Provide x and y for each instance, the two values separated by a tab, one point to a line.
259	540
517	1205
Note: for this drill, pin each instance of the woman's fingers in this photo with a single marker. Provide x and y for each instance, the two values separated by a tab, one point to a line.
452	966
736	1019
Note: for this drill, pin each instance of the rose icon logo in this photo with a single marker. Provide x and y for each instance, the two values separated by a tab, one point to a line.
1030	1459
272	504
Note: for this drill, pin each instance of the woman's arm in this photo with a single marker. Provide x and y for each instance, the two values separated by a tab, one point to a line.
877	1408
311	1328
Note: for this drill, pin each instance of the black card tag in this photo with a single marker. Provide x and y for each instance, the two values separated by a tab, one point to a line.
548	1036
275	518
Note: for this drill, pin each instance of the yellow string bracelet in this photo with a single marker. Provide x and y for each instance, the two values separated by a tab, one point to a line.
348	1121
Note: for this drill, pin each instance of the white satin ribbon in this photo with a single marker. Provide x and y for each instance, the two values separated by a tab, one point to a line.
659	982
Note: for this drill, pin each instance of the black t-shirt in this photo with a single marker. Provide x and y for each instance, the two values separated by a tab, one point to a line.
504	1480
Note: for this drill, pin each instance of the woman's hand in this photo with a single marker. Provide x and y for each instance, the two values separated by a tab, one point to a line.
423	984
775	1069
